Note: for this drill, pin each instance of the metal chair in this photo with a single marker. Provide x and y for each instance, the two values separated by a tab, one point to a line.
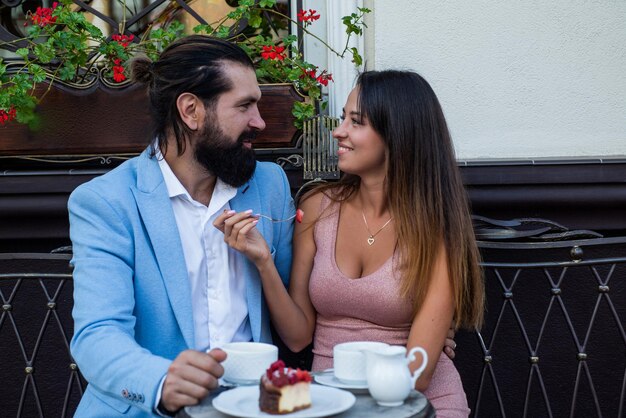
553	343
39	377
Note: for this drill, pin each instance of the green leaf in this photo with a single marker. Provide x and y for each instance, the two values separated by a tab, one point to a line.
356	57
156	34
21	81
176	27
267	3
44	53
290	39
22	52
315	92
223	32
38	73
94	31
302	111
255	21
202	29
295	73
67	72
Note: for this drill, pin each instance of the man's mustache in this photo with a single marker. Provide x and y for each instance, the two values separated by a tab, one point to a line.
247	136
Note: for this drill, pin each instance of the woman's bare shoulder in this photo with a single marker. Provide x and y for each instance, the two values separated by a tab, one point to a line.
316	202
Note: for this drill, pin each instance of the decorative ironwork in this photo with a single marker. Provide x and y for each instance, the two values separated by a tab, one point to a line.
294	160
130	17
548	301
35	327
319	148
96	70
73	159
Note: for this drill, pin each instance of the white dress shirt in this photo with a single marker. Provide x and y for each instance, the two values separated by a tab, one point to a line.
218	290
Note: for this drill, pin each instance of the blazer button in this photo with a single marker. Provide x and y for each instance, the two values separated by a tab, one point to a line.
140	398
124	393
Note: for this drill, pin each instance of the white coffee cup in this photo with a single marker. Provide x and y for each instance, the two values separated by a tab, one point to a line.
349	361
247	361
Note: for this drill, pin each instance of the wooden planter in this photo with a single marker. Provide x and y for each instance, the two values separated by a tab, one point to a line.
101	121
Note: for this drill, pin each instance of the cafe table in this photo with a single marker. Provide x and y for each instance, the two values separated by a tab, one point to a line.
415	406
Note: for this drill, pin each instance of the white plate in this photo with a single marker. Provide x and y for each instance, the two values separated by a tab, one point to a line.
244	402
329	379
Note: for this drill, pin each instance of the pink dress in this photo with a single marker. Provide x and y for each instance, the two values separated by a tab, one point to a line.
369	309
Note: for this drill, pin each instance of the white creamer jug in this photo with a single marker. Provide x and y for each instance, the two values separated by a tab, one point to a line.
389	378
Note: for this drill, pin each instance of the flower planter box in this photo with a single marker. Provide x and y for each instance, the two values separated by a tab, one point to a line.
104	122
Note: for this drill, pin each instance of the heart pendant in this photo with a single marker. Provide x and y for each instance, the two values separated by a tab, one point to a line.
370	240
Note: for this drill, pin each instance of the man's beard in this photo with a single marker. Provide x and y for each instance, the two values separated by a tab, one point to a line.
233	163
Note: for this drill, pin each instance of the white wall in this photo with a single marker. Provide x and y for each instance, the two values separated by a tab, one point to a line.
516	79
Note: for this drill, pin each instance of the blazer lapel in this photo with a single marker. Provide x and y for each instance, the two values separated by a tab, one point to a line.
248	198
158	217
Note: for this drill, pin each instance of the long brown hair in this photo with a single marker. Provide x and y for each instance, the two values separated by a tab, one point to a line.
424	189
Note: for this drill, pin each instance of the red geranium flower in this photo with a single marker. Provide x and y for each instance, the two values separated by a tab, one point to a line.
308	16
123	40
43	15
273	53
118	71
7	116
309	73
324	78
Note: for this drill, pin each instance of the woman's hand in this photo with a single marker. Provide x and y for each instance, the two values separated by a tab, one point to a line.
241	234
449	346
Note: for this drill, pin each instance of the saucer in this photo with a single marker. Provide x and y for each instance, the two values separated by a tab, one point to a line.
328	379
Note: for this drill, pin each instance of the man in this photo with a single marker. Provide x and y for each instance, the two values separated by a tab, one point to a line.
157	290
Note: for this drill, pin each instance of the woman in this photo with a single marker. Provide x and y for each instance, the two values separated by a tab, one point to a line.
388	252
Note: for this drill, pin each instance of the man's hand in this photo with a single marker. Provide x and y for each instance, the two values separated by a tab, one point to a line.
190	377
450	345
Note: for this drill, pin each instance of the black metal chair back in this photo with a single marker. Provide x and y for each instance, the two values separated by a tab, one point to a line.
553	344
39	377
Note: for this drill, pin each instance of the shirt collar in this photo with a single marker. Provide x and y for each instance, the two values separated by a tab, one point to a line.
222	192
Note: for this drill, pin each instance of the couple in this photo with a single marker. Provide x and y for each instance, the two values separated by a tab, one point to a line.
171	260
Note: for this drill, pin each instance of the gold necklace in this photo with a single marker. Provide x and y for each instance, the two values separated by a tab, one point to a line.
370	239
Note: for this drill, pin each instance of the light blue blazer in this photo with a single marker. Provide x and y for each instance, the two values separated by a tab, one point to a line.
132	304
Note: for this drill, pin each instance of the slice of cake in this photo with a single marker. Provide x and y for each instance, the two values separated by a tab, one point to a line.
284	390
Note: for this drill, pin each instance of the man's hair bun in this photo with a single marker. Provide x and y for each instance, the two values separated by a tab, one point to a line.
141	69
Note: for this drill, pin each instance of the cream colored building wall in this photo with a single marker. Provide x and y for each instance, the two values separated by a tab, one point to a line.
516	79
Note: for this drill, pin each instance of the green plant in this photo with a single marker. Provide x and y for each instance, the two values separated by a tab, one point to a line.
61	45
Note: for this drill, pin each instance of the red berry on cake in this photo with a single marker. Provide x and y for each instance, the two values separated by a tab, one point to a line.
284	390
